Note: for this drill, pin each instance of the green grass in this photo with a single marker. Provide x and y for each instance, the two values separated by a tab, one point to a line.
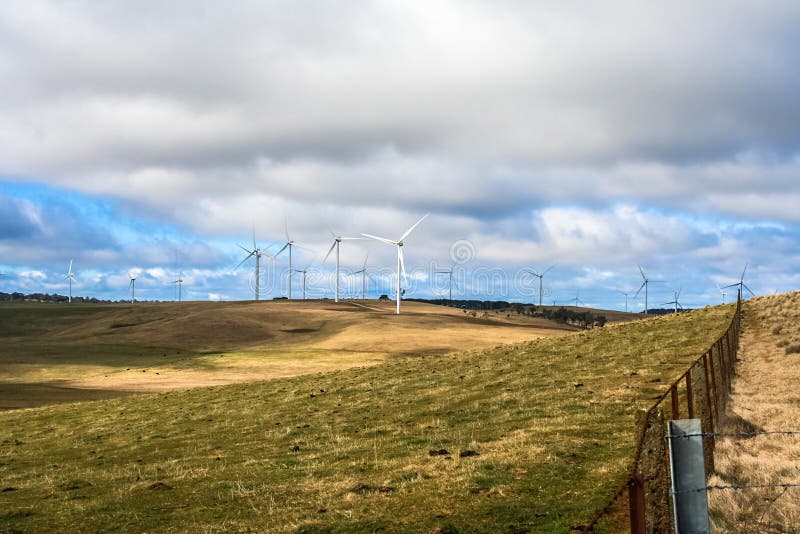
348	451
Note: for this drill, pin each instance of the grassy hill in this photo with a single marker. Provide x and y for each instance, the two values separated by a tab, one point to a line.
59	352
526	437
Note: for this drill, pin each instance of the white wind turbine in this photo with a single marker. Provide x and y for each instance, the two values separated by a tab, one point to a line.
626	293
337	241
449	273
723	292
401	268
540	276
363	273
290	243
676	295
179	281
304	272
741	285
644	285
257	252
132	287
70	277
577	299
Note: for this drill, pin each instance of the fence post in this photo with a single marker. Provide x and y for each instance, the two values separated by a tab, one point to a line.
637	507
676	408
689	394
688	477
712	394
712	367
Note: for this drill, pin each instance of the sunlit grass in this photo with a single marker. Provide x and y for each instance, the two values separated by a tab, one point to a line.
550	424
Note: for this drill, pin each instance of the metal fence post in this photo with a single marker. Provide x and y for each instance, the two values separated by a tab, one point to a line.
687	469
637	508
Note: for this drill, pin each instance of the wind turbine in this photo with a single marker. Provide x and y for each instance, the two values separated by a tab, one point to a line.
741	285
626	293
577	299
401	268
70	277
363	273
337	241
257	252
644	285
289	244
722	290
179	281
132	287
449	274
677	304
540	276
304	271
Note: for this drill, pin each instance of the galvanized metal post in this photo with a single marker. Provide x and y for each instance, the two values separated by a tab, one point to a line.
688	474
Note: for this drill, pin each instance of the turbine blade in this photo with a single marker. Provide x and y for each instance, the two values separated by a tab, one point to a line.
640	288
748	289
282	249
743	271
642	271
286	229
329	251
244	248
244	260
254	238
382	239
351	238
732	285
365	261
405	235
402	264
70	267
548	269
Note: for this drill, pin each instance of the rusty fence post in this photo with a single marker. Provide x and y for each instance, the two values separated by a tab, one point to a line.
712	394
689	394
636	496
676	408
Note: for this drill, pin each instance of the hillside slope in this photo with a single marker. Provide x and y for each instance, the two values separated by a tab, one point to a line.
61	352
530	437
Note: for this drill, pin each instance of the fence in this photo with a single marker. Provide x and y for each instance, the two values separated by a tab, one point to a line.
701	392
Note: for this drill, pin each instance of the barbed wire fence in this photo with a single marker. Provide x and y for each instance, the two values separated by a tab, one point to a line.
702	392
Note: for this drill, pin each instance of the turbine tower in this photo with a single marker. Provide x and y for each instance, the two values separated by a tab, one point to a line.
289	244
304	271
674	301
540	276
449	274
644	285
132	287
257	252
626	293
70	277
741	285
363	273
337	241
179	281
401	268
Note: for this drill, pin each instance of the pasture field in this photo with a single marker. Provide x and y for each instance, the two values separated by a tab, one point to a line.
56	353
765	398
528	437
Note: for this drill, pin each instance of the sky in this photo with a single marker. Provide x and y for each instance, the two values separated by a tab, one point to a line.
153	138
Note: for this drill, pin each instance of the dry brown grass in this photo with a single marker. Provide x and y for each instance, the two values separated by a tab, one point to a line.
765	397
168	346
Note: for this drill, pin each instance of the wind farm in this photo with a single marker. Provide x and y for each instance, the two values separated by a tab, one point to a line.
391	267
